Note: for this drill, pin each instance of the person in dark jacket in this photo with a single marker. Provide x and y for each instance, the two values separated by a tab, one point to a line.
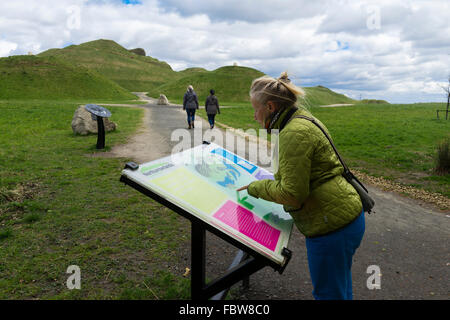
212	107
190	104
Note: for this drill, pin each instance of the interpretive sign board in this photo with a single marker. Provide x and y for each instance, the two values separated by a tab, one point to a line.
203	181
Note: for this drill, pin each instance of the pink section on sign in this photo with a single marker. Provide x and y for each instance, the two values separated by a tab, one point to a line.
248	224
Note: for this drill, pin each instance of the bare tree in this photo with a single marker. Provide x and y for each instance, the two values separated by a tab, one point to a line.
447	91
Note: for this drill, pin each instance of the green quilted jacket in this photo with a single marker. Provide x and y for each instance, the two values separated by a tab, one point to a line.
308	181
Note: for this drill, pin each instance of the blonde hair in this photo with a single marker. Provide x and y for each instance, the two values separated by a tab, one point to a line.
281	91
190	88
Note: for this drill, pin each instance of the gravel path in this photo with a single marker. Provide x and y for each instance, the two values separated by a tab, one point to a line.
406	238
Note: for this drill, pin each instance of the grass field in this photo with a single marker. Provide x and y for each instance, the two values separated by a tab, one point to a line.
397	142
59	206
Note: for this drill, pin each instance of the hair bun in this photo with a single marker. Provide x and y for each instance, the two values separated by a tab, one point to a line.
284	77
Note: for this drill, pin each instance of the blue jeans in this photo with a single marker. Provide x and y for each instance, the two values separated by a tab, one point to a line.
190	115
211	119
330	261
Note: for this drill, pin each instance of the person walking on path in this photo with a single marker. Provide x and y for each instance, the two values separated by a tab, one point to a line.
190	104
212	107
308	182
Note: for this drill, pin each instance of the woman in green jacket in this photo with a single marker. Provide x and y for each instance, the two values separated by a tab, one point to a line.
308	182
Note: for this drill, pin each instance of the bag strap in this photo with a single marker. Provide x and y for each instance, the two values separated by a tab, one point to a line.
347	174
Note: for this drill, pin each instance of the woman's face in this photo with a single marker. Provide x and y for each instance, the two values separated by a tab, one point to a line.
261	112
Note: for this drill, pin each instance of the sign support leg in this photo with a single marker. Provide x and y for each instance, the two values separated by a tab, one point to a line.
101	133
198	270
240	270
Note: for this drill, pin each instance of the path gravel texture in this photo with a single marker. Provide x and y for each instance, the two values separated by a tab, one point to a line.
407	239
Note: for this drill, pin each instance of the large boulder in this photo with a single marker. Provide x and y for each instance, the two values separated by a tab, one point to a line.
163	100
83	124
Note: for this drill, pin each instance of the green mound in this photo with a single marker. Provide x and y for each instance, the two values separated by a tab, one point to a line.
135	72
231	84
129	70
191	70
32	77
320	96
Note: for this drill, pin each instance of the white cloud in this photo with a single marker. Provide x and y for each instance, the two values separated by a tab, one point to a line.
261	11
6	48
331	43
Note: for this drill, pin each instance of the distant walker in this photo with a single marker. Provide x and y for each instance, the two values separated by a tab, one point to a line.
190	104
212	107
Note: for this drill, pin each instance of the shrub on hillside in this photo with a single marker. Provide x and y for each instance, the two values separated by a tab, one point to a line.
443	157
374	101
138	51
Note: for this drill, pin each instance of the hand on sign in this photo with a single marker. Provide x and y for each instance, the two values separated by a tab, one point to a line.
242	188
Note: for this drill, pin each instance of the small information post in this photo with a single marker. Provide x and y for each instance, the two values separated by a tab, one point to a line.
200	184
98	113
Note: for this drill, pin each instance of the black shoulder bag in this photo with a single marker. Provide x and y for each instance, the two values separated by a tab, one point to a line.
367	202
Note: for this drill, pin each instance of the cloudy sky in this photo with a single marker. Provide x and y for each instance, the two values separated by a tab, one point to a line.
394	50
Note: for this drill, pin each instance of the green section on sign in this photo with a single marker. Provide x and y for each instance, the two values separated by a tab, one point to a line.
245	203
268	216
188	187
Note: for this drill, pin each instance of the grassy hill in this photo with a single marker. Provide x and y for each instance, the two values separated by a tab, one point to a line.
129	70
231	84
319	96
190	71
32	77
142	73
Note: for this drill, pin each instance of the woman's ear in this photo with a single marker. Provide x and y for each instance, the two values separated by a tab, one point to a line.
271	106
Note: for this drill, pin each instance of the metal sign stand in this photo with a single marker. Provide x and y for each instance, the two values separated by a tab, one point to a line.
101	133
98	113
246	262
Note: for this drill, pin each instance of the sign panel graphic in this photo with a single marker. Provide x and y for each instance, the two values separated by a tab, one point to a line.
203	181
